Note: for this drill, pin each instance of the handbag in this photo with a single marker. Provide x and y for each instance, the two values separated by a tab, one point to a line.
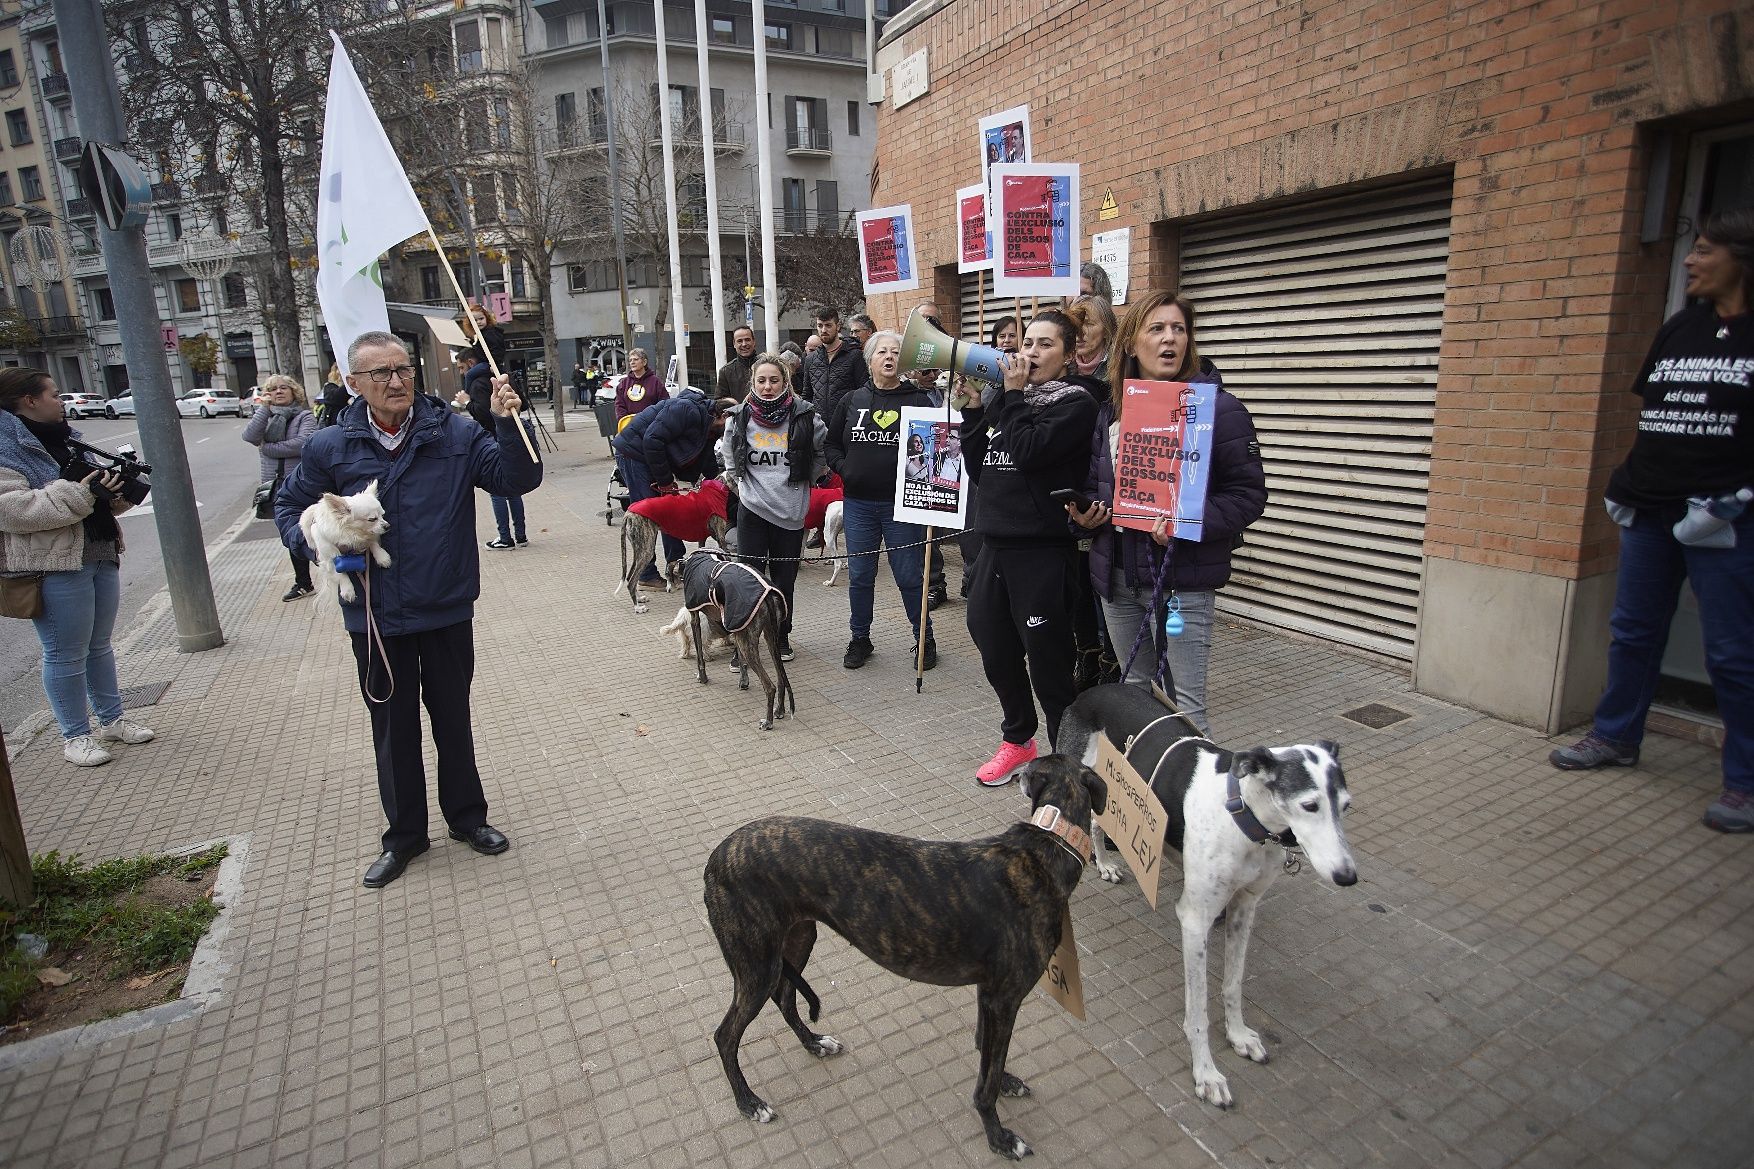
21	596
266	491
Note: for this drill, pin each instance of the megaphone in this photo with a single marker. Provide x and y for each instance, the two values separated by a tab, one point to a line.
924	347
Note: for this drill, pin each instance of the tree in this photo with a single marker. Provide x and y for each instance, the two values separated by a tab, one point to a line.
202	354
819	266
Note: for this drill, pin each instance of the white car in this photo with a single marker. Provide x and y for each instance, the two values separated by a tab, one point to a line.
83	405
122	407
207	403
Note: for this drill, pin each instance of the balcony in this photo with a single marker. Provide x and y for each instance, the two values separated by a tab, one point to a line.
798	221
52	328
808	142
80	209
727	139
575	135
55	86
166	192
87	261
210	184
67	149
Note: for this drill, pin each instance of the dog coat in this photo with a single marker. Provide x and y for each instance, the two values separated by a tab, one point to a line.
737	589
820	498
685	515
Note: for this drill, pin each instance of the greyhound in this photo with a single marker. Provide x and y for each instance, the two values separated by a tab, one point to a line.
741	606
662	515
986	912
833	541
1231	815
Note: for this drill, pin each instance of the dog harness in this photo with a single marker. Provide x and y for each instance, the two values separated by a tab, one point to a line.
1158	743
1071	837
709	578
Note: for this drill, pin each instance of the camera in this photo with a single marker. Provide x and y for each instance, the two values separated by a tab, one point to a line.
125	463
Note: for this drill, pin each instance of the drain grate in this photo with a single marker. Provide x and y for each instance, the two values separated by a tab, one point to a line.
1376	716
134	697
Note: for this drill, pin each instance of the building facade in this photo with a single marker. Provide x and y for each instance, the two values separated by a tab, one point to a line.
822	134
1429	247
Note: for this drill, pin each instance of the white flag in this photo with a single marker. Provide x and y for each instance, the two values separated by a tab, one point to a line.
365	207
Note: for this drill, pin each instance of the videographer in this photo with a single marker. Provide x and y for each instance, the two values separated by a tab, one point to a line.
58	526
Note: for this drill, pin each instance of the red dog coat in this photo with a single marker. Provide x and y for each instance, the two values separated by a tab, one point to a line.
820	498
685	516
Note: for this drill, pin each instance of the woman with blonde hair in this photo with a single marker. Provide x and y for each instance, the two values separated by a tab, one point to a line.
280	430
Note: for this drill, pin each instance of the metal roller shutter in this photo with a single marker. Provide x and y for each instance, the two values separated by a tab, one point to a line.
1325	319
979	304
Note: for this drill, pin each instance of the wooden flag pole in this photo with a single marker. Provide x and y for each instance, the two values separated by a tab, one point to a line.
445	263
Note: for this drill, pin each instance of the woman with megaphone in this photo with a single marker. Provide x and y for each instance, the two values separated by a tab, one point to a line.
1032	441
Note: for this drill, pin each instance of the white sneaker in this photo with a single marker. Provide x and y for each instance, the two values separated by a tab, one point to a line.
124	730
85	751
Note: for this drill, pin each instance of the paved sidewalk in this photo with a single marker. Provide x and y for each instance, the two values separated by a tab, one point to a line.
1536	968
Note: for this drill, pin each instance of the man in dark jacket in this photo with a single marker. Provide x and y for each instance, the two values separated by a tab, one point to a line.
427	463
836	368
669	440
734	374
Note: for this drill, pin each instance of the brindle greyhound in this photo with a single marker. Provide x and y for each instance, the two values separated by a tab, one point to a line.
986	912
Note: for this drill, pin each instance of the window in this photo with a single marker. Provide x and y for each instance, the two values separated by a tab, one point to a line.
236	293
476	133
52	57
495	45
173	223
597	114
30	181
465	277
502	123
469	56
105	304
486	200
18	126
566	111
827	203
554	27
188	296
577	278
5	189
520	290
724	31
779	36
696	271
429	283
792	199
852	119
8	68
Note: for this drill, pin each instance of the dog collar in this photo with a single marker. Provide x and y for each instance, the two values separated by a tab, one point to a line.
1246	820
1074	839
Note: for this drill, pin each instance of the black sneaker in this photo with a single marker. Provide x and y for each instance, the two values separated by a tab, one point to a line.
297	591
859	651
935	596
500	545
931	653
521	541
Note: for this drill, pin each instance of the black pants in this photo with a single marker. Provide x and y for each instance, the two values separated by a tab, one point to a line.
772	551
301	570
1020	617
436	668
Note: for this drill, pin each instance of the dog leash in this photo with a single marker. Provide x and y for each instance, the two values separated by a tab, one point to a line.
373	638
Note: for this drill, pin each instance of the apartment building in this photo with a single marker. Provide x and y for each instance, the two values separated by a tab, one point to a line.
823	139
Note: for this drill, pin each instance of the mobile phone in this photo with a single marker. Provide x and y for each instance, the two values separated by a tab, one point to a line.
1072	496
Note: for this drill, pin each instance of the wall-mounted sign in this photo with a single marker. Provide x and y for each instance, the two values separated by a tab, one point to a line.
169	334
911	80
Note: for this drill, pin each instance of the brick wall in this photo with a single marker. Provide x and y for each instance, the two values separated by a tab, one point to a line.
1539	110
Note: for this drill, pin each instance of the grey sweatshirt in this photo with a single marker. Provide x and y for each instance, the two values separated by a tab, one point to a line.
761	481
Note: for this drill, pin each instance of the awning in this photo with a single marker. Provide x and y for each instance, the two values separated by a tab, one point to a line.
448	332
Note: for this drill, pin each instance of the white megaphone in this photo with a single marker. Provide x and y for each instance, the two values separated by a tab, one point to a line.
924	347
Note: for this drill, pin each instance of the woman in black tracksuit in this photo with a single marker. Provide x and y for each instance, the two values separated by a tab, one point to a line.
1033	440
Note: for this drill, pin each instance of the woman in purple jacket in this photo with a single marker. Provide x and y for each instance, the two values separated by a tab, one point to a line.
1155	342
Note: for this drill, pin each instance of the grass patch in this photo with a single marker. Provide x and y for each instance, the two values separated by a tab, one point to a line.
102	915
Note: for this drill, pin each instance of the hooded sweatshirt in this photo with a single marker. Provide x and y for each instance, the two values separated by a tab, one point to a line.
1028	444
865	434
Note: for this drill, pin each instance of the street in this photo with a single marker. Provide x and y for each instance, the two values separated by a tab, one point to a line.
225	473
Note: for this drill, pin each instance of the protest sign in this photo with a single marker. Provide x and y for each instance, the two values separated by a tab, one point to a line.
931	483
974	239
1108	251
1132	818
1004	138
1035	238
1163	457
886	250
1061	979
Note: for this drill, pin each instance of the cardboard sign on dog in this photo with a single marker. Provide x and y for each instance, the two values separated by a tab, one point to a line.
1061	979
1133	819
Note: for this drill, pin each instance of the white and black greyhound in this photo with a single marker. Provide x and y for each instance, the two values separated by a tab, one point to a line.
1232	816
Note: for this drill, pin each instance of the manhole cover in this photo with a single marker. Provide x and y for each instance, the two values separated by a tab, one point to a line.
135	697
1376	715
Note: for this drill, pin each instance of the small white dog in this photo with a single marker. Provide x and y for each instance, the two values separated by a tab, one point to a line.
833	527
339	524
716	637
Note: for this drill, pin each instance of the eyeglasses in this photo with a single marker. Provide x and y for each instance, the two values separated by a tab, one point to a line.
382	376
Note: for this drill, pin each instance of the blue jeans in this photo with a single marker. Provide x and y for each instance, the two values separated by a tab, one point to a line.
867	526
638	479
508	511
1189	654
79	613
1652	566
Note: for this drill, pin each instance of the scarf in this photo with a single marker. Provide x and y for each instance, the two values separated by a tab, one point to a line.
279	422
772	414
23	450
1047	393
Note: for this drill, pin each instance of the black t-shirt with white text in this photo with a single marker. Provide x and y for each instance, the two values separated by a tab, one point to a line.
1696	430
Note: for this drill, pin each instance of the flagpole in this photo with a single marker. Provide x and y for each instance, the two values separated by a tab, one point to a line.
709	147
481	342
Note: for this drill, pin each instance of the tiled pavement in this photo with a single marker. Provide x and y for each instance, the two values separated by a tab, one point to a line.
1536	968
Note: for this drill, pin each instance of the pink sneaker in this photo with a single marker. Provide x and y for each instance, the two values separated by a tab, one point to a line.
1008	758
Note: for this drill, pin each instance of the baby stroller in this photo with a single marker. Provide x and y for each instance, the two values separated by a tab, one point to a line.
616	497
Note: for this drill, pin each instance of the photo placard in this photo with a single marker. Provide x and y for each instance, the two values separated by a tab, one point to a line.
931	479
1004	137
1163	457
974	238
1035	242
886	250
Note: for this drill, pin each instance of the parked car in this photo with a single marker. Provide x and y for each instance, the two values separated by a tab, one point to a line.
207	403
249	400
83	405
122	407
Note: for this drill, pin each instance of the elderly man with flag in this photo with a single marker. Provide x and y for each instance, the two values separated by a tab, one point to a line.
412	625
